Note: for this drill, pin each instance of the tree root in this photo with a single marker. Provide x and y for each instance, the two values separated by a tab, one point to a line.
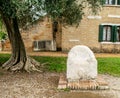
17	67
30	65
8	64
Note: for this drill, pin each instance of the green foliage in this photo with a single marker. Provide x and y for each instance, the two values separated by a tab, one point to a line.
70	11
24	10
6	8
4	58
3	35
12	8
1	24
94	5
29	11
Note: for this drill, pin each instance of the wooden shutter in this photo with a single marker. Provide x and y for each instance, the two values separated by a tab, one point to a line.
113	2
100	33
114	34
35	44
118	2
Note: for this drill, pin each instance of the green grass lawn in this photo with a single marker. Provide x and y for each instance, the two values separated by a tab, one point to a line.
109	66
106	65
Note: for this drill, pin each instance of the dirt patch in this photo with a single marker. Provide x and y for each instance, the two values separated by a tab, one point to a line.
44	85
25	85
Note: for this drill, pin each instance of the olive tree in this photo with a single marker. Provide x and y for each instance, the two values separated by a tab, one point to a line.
69	12
63	11
9	11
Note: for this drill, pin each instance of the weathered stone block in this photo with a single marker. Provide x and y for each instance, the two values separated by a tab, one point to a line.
81	64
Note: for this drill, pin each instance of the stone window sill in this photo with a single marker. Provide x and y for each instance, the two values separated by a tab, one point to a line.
117	43
107	43
111	5
110	42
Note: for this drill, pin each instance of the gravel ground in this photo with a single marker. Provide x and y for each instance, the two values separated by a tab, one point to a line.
44	85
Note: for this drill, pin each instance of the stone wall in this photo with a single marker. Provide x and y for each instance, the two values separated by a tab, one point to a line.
38	32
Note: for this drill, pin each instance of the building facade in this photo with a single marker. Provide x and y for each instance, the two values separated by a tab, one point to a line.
100	32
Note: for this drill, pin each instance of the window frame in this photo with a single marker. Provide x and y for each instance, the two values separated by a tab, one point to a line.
114	31
101	33
115	3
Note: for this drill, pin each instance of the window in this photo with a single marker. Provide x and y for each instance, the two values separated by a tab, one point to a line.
112	2
109	33
45	45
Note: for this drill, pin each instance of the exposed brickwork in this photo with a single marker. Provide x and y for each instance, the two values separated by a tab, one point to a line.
98	84
39	31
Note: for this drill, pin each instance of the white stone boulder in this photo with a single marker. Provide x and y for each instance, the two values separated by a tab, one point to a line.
81	64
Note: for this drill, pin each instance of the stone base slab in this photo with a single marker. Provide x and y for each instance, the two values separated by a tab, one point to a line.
98	84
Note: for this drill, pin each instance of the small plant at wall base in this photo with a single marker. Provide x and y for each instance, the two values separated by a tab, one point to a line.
3	37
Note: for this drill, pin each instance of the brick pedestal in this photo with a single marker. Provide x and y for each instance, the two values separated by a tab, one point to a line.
98	84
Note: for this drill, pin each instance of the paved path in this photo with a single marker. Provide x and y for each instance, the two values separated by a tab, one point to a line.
64	54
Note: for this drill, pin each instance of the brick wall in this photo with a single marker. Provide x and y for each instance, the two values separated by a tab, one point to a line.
85	34
88	31
39	31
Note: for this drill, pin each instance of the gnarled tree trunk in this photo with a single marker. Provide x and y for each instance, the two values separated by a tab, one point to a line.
57	34
18	60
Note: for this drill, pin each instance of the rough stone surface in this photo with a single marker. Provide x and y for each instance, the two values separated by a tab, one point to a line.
81	64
